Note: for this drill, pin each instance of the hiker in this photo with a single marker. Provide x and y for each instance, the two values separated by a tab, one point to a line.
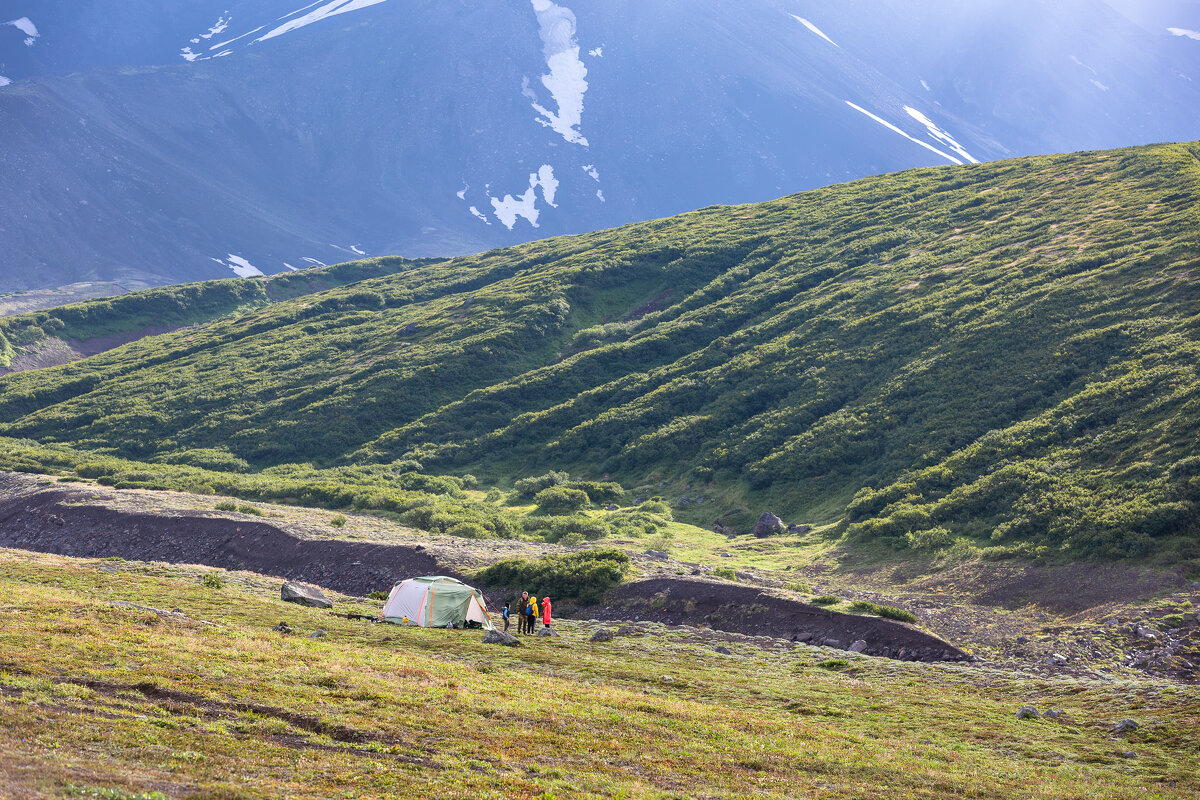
504	614
531	614
546	612
522	613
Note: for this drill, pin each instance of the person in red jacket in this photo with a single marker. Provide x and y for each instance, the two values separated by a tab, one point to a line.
546	612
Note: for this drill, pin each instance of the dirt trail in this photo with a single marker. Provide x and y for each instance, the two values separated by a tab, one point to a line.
752	611
63	522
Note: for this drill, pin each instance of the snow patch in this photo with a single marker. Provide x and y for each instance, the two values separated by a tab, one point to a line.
298	10
1085	66
355	249
188	55
25	25
289	266
939	134
223	53
314	261
234	39
893	128
600	194
324	12
480	215
462	193
241	267
591	171
596	52
5	81
566	81
1184	32
926	86
1099	85
509	209
814	29
220	27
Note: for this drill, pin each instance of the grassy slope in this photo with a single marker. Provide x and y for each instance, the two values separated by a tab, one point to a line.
1004	351
98	696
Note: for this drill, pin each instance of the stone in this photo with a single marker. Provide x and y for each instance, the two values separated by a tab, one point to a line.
1142	632
628	630
282	627
317	635
602	635
1129	754
611	507
1125	726
723	650
544	631
858	646
293	592
667	679
768	525
1056	660
835	643
1053	713
1022	639
726	555
794	528
1028	712
500	637
658	555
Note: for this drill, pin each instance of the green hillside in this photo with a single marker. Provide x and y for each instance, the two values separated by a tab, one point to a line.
1003	352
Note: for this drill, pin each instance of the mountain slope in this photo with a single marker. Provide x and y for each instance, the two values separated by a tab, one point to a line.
161	143
1005	351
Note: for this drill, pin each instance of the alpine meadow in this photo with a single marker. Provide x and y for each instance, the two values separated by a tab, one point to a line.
889	488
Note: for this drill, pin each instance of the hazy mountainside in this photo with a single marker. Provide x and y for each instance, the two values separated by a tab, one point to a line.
162	142
1006	351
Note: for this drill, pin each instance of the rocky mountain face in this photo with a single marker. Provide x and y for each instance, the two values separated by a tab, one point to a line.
156	142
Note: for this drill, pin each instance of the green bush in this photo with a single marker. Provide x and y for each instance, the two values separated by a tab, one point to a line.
833	663
725	572
888	612
826	600
582	576
929	539
378	595
339	521
227	505
212	580
560	498
528	487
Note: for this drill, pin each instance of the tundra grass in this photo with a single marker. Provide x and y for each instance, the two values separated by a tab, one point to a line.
101	697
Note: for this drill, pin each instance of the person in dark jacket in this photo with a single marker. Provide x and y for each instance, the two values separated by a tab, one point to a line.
531	615
504	614
522	617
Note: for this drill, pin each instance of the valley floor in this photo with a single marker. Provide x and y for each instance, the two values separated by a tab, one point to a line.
212	702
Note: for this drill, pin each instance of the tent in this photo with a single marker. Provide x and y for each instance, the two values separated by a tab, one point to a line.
435	602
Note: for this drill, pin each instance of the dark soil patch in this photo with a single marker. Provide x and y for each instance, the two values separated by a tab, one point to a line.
63	522
752	611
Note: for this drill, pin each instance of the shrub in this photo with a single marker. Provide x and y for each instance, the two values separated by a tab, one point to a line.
338	521
494	495
227	505
826	600
888	612
469	481
528	487
833	663
560	498
246	508
378	595
572	539
930	539
582	576
597	491
212	580
725	572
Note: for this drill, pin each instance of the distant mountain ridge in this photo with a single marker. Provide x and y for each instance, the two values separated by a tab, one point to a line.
1004	351
156	142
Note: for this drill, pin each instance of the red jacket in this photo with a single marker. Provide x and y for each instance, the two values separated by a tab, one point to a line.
546	611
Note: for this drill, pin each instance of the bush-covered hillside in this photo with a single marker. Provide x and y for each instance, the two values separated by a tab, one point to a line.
1005	351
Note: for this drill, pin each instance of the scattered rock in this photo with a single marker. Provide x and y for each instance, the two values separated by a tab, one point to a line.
1056	660
723	650
1142	632
1022	640
500	637
1129	754
1053	713
628	630
858	646
1028	712
317	635
544	631
658	555
602	635
293	592
611	507
667	679
283	627
794	528
1125	726
57	520
837	643
768	525
726	555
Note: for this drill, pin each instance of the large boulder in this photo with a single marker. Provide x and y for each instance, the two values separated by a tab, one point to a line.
768	525
293	592
602	635
500	637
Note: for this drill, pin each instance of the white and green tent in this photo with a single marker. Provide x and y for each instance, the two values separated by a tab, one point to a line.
435	602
